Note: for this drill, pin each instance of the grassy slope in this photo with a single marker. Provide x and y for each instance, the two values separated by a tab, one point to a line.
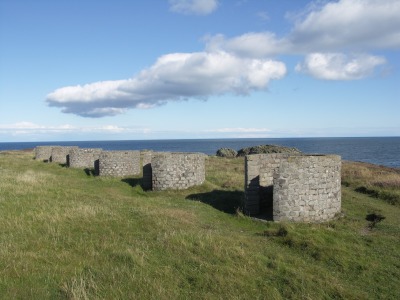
64	234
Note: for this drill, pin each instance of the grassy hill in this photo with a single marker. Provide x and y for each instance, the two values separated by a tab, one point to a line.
68	235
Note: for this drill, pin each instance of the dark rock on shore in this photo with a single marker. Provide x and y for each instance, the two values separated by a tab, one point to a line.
267	149
226	152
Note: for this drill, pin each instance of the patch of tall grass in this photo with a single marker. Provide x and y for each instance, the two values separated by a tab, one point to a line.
377	181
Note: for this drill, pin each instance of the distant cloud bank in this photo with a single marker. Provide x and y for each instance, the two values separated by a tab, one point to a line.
28	128
26	131
333	37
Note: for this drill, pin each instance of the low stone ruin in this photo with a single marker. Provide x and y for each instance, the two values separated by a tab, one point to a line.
161	170
174	170
118	163
43	153
300	188
293	187
84	157
60	154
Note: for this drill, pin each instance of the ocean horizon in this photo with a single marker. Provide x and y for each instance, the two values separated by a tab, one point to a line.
376	150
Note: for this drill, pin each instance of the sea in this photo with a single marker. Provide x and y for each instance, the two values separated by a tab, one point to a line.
383	151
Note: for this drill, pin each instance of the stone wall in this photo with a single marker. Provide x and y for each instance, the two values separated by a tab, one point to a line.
307	188
60	154
177	170
297	187
84	157
259	177
118	163
43	153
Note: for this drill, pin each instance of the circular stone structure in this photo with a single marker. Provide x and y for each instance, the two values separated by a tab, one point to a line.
84	157
298	188
119	163
59	154
307	189
177	170
43	153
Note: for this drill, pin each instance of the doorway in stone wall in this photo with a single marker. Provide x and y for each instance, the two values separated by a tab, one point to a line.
266	194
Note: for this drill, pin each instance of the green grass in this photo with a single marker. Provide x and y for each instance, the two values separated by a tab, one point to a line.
67	235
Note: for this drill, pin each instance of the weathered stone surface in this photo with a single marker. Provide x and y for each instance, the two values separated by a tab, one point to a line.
177	170
118	163
226	152
305	188
84	157
259	171
43	153
60	154
267	149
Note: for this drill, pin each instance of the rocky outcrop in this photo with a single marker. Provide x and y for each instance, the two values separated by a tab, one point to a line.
226	152
267	149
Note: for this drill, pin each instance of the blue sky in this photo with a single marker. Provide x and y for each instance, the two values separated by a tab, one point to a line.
171	69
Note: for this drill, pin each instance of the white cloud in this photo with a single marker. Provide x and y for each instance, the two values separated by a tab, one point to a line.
24	127
20	125
348	24
325	32
29	128
105	128
252	44
173	77
338	66
196	7
239	130
333	27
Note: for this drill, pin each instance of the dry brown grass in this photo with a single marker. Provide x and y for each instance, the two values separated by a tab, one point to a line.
81	286
377	181
225	172
371	174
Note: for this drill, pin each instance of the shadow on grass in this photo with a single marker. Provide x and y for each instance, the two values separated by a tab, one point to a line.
385	195
226	201
90	171
133	181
